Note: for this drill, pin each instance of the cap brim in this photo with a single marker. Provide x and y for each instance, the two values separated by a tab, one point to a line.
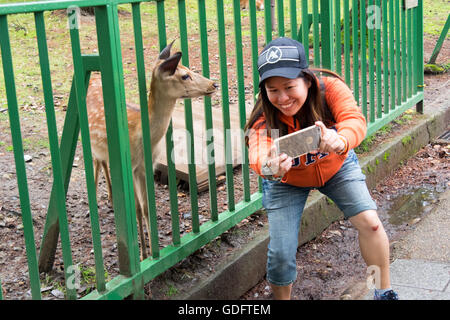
290	73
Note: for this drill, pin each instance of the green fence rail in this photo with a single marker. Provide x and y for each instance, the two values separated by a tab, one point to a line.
377	45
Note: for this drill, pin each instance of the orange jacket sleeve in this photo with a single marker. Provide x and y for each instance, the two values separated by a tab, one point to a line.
350	122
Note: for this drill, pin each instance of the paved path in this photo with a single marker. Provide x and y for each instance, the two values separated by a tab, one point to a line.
421	269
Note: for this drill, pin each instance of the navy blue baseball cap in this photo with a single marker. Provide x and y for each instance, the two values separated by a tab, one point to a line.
283	57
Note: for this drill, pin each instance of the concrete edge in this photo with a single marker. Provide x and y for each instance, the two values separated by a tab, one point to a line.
381	162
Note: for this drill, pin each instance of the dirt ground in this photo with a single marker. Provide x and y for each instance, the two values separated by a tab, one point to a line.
326	264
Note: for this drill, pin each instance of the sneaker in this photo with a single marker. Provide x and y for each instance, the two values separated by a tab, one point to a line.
388	295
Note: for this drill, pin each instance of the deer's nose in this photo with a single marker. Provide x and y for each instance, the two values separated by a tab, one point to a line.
215	85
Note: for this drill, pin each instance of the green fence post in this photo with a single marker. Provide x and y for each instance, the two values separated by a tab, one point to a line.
440	41
208	112
327	34
241	96
118	142
225	106
146	138
419	55
16	136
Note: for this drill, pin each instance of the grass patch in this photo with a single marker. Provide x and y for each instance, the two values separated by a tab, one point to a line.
406	140
436	68
367	143
435	14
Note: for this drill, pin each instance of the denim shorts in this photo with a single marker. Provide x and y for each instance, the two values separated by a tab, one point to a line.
284	204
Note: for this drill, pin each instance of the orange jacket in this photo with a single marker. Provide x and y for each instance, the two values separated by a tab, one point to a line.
313	170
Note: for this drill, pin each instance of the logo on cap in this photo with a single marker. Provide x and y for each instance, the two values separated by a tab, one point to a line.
273	55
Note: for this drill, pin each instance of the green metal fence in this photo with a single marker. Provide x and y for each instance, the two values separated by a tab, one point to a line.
376	44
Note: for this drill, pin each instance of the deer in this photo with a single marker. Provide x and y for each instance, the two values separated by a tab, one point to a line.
170	81
259	4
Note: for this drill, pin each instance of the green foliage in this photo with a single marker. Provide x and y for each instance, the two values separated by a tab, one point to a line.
436	68
406	140
370	140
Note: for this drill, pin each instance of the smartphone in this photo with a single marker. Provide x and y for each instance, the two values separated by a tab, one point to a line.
300	142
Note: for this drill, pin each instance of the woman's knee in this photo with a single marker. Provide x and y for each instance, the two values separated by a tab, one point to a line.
367	221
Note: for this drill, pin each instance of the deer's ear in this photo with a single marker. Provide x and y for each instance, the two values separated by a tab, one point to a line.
170	64
165	53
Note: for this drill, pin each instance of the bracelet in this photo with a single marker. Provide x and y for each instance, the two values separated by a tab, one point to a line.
344	150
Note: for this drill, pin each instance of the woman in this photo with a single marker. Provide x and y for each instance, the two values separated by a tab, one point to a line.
291	99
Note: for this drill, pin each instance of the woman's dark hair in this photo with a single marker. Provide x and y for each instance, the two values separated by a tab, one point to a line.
312	110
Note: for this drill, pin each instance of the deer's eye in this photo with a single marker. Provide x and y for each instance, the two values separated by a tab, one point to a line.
185	77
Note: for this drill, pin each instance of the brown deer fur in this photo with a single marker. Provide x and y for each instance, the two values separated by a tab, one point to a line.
170	81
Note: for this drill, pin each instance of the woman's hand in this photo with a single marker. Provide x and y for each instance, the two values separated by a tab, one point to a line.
331	141
279	164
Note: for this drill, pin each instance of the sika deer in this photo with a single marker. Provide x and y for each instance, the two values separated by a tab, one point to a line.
170	81
259	4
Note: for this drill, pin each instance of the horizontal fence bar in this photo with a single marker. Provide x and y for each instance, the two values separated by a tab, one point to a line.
379	123
31	7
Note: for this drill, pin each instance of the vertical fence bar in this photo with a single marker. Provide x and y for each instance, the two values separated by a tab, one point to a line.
410	53
398	66
146	136
414	53
419	48
171	173
241	96
268	20
404	73
280	18
371	66
305	27
293	17
193	190
347	42
391	55
254	41
208	113
326	37
16	135
378	55
118	139
355	22
225	106
362	32
337	35
385	57
316	33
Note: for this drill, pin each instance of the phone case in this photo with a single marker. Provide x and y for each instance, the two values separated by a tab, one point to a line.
300	142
